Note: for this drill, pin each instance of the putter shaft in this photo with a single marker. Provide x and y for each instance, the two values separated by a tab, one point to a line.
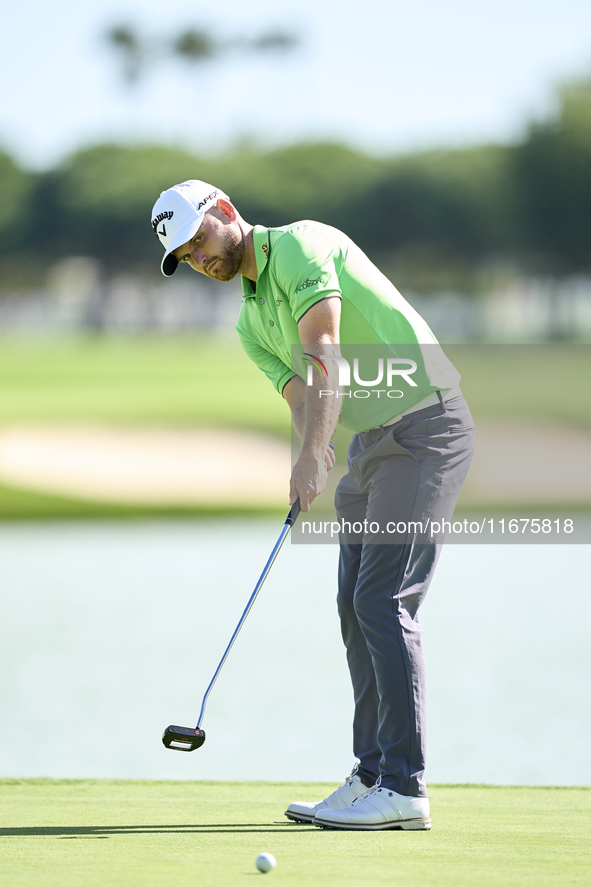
289	522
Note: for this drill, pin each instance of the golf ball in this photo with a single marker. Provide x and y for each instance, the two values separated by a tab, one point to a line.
265	862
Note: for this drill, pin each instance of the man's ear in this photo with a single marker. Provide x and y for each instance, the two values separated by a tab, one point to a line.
227	209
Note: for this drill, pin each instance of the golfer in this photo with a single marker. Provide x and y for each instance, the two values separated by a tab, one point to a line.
313	307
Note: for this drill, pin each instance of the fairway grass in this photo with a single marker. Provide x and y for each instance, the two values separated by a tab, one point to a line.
132	833
206	381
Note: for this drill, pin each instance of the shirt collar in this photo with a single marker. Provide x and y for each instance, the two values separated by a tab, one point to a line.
260	237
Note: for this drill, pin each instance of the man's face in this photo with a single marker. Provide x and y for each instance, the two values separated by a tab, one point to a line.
217	249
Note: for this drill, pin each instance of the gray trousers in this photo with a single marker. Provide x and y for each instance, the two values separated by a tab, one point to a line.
407	472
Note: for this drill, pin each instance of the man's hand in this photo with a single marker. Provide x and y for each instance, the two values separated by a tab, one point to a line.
308	480
329	457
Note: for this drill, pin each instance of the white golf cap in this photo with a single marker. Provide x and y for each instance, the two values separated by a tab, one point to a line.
177	216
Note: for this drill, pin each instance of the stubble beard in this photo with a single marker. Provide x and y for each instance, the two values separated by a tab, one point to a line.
229	258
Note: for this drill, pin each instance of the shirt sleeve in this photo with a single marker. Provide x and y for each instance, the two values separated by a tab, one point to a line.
272	366
306	262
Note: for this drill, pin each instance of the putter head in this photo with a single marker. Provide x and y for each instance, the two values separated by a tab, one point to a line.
183	738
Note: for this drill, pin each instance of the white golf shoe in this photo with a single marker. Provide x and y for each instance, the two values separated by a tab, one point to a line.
345	794
378	808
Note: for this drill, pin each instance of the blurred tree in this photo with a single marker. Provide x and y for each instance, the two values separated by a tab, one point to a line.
553	169
17	188
99	202
131	49
274	41
137	53
322	181
194	46
426	212
432	219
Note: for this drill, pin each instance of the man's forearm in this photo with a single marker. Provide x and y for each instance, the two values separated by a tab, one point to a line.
317	422
321	410
298	417
319	335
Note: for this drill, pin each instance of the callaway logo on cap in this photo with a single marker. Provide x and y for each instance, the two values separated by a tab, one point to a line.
177	216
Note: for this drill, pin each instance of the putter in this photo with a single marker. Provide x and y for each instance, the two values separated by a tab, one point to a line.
190	738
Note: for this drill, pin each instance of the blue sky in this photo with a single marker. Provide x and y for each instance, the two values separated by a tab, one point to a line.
386	77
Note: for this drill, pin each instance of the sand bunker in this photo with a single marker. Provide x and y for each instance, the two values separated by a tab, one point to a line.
139	466
514	463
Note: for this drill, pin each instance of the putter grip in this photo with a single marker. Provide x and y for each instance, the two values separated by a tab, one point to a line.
293	513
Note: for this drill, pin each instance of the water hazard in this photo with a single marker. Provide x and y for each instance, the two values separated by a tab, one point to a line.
110	632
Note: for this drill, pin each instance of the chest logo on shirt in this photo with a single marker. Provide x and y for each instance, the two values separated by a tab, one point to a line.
265	249
278	302
308	282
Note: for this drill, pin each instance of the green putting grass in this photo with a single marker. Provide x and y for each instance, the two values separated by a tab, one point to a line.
137	834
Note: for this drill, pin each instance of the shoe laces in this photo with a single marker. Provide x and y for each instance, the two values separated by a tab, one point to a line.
351	775
373	788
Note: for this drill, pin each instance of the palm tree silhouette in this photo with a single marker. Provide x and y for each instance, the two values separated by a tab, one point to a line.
193	46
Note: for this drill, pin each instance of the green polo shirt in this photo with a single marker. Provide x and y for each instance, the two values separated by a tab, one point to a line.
301	264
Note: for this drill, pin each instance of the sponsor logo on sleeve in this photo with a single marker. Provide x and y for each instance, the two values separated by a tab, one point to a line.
308	282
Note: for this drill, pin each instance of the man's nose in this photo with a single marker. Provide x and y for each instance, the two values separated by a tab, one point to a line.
199	257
